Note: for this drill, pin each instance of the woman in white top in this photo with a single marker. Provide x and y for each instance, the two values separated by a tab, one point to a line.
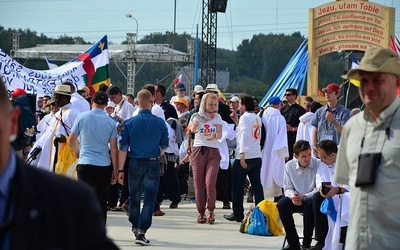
204	155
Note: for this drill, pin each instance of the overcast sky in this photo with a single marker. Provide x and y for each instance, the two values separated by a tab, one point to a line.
92	19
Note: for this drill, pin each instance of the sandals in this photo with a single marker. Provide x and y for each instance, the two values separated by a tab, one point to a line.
116	209
202	219
210	218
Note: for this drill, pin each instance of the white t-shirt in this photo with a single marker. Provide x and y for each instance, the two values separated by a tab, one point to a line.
79	103
206	131
155	110
248	136
124	110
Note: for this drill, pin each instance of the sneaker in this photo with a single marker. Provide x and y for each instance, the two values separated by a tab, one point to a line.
134	233
192	200
141	240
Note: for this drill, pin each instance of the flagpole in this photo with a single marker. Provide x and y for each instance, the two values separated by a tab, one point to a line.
347	94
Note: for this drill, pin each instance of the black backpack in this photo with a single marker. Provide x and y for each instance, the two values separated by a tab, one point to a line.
263	131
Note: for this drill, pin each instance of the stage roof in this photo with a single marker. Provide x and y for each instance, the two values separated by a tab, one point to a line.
118	53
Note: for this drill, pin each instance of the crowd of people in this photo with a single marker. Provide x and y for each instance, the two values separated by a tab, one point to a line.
144	150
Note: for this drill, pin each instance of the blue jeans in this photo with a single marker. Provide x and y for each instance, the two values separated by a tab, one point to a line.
144	176
238	181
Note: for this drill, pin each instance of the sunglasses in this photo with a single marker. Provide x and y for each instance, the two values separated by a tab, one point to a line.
288	94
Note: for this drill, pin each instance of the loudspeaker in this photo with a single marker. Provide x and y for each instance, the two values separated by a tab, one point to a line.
218	5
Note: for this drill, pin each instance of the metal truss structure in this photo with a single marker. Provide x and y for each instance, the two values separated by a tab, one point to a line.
208	45
118	53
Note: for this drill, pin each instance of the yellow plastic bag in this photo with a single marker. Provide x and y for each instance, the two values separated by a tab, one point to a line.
66	161
270	210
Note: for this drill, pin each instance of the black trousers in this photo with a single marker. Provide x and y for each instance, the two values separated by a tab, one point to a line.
286	209
113	195
291	141
320	219
168	185
99	179
224	185
238	181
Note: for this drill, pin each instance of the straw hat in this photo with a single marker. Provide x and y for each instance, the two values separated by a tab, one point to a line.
62	90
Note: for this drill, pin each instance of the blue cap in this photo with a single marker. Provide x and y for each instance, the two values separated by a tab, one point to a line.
274	100
180	86
328	208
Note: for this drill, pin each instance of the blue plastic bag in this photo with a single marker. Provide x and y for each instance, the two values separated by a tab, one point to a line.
328	208
257	225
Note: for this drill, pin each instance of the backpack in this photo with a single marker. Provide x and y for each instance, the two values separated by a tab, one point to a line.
263	131
258	225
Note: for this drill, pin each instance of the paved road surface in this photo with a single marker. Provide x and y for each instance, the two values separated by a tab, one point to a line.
178	229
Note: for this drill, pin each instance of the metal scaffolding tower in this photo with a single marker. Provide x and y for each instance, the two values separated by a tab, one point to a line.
131	64
15	44
208	45
191	54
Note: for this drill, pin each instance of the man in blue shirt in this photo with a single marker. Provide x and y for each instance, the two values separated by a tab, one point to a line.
147	137
96	131
328	120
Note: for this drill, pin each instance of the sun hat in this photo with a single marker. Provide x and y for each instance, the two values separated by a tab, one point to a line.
182	101
376	60
198	88
62	90
110	105
212	87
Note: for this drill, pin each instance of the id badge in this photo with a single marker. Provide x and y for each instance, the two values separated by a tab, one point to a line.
328	137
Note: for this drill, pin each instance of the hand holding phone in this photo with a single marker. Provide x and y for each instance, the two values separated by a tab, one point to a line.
324	188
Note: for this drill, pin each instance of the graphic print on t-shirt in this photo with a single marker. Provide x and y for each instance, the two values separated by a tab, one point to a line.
256	129
207	130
